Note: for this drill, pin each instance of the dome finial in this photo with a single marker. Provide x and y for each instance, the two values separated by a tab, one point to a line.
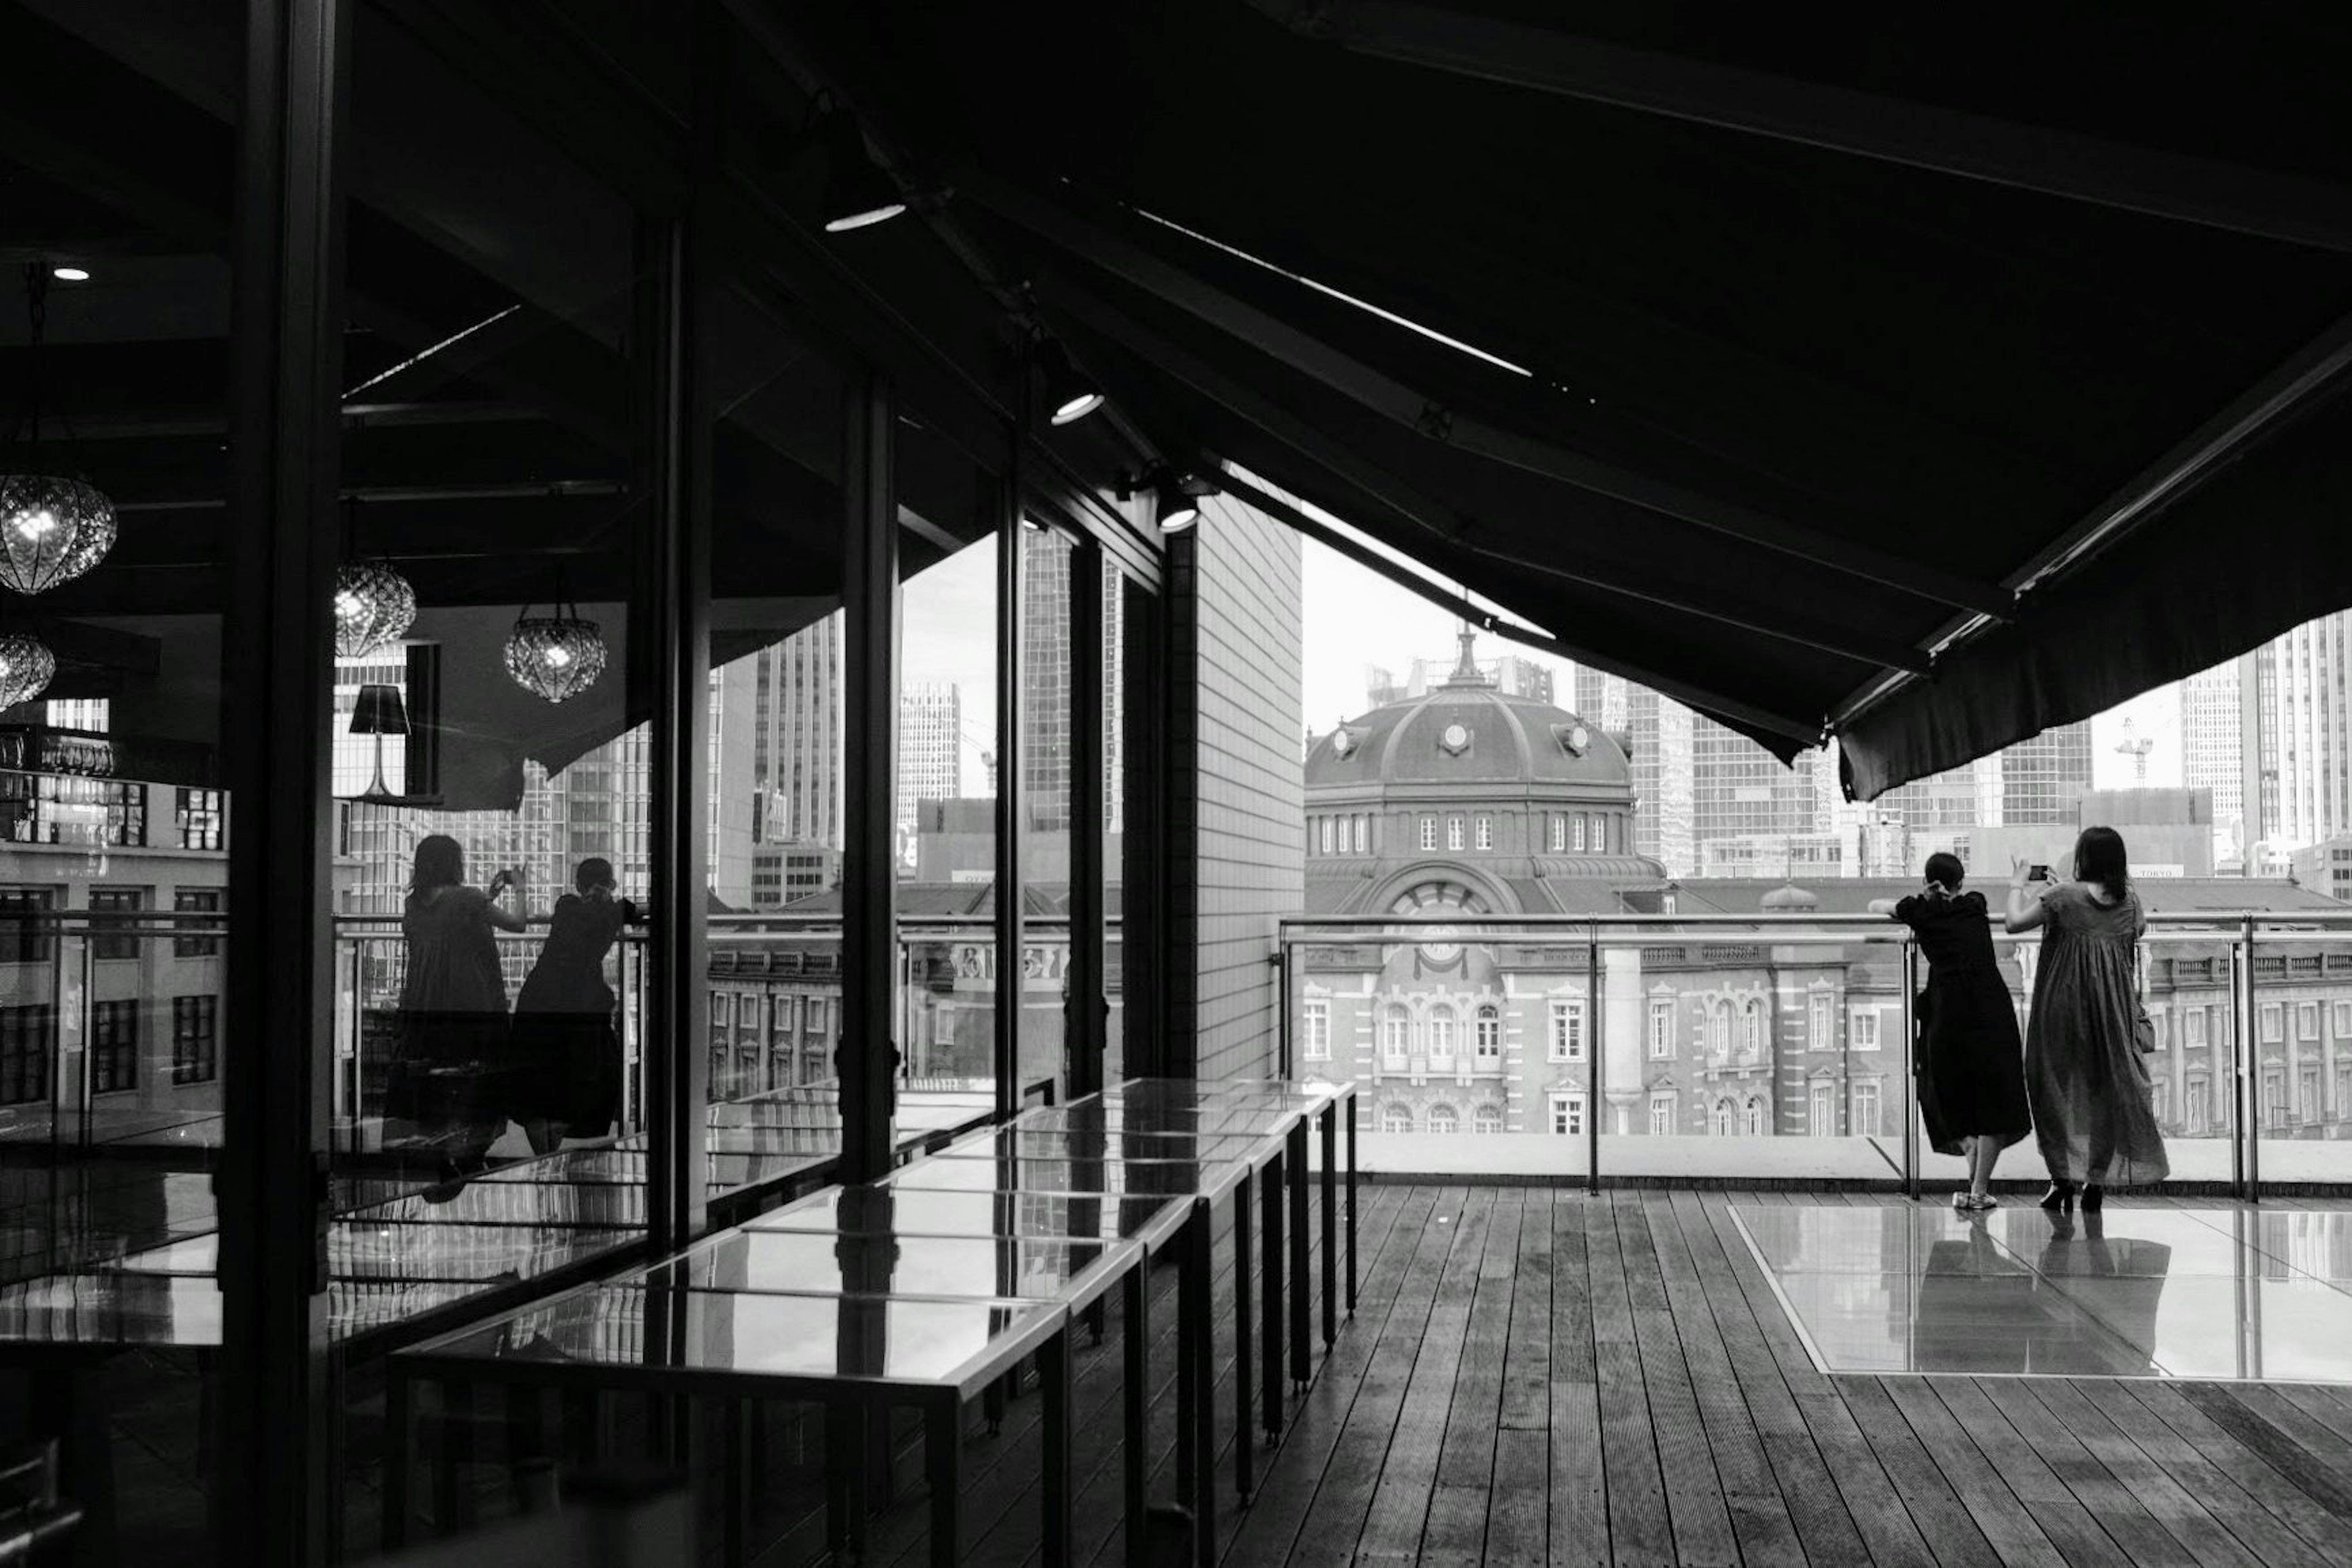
1465	671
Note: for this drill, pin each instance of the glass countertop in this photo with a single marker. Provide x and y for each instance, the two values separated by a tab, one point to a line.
979	1268
414	1253
665	1331
1024	1141
1139	1178
913	1211
1175	1120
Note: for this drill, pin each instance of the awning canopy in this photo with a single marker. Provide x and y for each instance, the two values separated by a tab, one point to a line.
1928	387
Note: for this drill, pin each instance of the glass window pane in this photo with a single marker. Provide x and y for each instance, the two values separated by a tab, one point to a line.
1048	758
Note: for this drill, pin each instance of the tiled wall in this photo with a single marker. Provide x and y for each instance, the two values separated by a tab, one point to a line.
1236	743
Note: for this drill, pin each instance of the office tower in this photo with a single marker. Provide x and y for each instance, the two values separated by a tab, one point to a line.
732	780
796	751
1663	736
2042	779
1937	813
931	749
1513	675
1739	790
2212	752
1045	670
2306	707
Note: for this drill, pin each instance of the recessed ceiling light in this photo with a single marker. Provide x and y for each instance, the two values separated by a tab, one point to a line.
70	274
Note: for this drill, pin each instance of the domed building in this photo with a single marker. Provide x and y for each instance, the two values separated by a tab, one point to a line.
1470	800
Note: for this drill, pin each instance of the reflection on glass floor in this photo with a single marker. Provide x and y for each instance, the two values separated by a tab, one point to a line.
2219	1293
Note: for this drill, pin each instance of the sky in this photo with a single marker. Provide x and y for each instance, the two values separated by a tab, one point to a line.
1355	618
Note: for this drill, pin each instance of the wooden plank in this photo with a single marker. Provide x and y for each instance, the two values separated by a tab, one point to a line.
1527	1356
1696	1506
1335	1522
1944	1521
1465	1464
1824	1527
2047	1498
1399	1517
2263	1533
1641	1528
1870	1494
1516	1512
1266	1534
2125	1517
1780	1337
2007	1526
2248	1470
2221	1404
2186	1518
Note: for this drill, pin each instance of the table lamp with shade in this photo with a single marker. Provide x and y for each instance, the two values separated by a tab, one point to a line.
379	713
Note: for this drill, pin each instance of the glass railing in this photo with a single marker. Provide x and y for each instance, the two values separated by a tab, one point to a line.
1769	1047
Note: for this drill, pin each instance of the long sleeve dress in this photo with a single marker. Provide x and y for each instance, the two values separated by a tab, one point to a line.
1971	1078
569	1052
446	1080
2093	1110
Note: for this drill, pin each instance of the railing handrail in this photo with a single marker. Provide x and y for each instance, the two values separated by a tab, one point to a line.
1768	921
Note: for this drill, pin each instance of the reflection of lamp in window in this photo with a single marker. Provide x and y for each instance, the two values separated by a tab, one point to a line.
375	606
379	713
26	668
53	527
556	657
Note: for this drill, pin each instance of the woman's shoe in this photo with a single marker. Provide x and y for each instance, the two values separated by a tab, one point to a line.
2060	1198
2091	1199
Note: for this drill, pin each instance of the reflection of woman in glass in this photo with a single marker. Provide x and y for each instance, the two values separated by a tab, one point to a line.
444	1080
2093	1110
569	1052
1972	1080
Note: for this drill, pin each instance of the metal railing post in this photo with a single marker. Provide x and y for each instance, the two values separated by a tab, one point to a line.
2245	1071
1280	960
1593	1054
1910	971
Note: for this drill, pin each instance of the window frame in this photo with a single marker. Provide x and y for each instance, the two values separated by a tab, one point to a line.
1396	1036
1317	1029
1444	1024
1482	832
1486	1027
1564	1040
1567	1112
1661	1030
111	1050
1864	1091
1862	1026
1428	832
1453	841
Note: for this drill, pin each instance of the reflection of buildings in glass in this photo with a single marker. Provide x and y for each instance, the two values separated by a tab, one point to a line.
1046	719
797	744
732	783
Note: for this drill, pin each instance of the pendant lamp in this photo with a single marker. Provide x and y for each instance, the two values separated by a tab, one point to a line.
26	668
556	656
53	526
375	606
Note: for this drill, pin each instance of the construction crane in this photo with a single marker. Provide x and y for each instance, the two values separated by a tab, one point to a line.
2135	747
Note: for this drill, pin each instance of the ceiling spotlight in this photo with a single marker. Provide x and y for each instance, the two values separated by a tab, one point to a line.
1070	394
857	192
70	274
1178	509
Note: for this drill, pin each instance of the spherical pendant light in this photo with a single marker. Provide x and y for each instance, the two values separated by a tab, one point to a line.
52	530
374	607
26	668
555	657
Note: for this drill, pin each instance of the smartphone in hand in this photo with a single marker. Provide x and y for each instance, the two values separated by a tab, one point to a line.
2039	874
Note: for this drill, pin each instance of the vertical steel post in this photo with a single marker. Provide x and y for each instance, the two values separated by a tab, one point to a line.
1012	777
1285	1064
1083	1040
2248	1073
1910	1069
1593	1063
869	937
269	1484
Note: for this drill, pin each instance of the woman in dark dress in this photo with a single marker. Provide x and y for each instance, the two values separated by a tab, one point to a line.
1972	1083
570	1051
445	1078
2092	1103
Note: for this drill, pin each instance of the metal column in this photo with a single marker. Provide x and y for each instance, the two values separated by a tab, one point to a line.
1083	1040
868	1056
2246	1076
1592	1064
1910	1069
1012	787
271	1480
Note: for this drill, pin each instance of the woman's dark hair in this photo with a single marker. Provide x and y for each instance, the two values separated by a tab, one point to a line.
440	863
2099	857
594	873
1945	868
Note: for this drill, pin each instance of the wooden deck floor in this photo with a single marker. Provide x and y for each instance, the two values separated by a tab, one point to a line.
1536	1377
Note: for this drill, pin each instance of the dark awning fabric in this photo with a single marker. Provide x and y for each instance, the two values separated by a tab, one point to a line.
1827	346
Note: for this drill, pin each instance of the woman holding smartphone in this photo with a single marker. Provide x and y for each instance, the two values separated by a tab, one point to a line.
453	1005
2093	1113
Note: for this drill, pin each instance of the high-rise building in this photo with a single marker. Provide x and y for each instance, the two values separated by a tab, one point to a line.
732	781
796	744
930	750
2212	751
2042	779
2306	733
1665	765
1045	673
1513	675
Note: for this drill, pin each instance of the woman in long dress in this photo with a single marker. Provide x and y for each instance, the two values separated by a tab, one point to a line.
1971	1085
2093	1110
446	1078
569	1052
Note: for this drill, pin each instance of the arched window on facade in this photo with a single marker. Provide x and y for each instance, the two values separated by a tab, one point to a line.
1488	1119
1721	1025
1445	1119
1725	1114
1755	1120
1752	1030
1441	1033
1396	1118
1490	1034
